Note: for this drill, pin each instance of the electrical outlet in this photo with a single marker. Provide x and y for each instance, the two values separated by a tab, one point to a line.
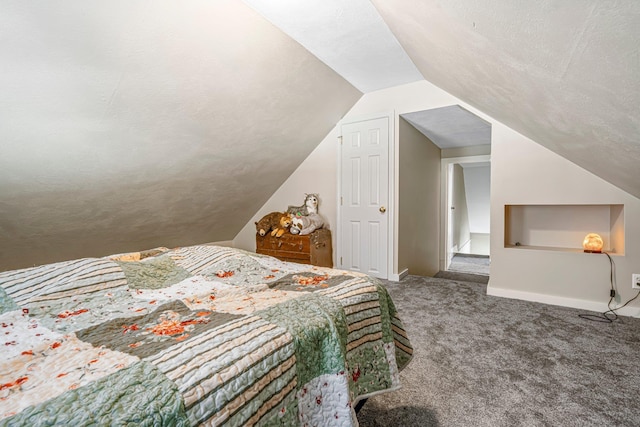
635	281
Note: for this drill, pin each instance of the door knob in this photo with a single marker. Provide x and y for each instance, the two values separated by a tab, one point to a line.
383	209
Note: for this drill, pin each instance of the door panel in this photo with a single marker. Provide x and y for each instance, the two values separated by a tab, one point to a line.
365	191
354	196
374	250
374	180
354	246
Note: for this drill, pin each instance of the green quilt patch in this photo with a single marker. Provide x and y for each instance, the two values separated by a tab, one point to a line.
286	417
387	311
153	273
319	327
6	303
368	369
290	282
149	334
138	395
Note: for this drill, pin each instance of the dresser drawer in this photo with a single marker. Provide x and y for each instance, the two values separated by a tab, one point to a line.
315	248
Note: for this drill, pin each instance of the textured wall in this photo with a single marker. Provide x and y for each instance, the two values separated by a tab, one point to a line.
460	215
562	73
132	124
477	182
557	277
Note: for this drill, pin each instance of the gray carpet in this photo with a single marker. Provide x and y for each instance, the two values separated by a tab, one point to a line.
468	263
489	361
463	277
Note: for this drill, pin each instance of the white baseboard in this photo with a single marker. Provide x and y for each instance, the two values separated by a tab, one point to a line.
561	301
398	277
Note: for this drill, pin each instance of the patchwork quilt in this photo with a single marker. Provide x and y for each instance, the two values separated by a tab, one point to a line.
200	335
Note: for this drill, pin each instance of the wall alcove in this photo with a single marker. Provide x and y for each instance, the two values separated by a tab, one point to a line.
563	227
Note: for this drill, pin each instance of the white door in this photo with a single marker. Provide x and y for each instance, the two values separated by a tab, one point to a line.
364	190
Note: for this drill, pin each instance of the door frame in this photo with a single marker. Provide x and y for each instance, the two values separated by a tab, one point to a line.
392	253
445	165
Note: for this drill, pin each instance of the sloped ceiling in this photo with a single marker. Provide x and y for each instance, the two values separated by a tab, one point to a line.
132	124
349	36
451	127
563	73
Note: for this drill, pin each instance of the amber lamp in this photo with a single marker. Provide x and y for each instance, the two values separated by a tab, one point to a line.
592	243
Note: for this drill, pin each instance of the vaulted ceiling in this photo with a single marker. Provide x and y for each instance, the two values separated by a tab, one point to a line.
563	73
142	123
134	124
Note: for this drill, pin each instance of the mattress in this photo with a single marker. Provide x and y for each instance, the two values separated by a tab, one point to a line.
201	335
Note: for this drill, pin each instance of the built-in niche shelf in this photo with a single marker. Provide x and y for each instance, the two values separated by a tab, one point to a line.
563	227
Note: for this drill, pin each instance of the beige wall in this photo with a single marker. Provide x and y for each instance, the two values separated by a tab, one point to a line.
419	197
317	174
522	172
131	125
460	215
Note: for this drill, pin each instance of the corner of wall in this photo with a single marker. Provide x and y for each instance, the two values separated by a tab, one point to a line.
316	174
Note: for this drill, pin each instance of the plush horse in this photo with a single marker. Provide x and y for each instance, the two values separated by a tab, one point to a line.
309	206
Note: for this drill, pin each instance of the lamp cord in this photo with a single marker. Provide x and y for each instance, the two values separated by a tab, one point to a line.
610	315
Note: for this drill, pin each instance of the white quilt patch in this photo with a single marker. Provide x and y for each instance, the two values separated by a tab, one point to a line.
326	398
35	371
390	350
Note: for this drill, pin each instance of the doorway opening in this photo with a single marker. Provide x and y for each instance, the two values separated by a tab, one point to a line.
468	214
464	140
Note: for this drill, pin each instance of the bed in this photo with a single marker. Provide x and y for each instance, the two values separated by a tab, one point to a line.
200	335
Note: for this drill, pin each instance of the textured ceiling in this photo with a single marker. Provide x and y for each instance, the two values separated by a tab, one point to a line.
563	73
132	124
451	127
349	36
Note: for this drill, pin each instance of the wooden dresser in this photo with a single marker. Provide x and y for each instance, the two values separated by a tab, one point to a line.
314	248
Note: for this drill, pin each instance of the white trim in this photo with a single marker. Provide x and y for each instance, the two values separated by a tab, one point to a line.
392	244
561	301
444	208
364	118
338	235
391	226
398	277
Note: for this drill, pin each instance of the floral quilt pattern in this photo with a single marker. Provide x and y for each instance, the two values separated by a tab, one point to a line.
201	335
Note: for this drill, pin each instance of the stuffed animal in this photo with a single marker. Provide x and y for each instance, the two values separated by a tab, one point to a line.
276	222
306	224
309	206
264	225
283	225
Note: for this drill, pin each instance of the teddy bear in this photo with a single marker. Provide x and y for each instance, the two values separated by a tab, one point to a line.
276	222
306	224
